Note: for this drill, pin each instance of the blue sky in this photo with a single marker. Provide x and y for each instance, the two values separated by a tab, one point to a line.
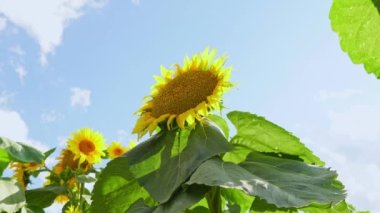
66	64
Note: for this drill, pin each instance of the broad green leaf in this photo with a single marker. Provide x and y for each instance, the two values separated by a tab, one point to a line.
21	152
85	179
203	143
237	197
140	207
183	199
258	134
221	123
12	197
282	182
260	206
49	152
357	23
43	197
4	160
117	188
198	209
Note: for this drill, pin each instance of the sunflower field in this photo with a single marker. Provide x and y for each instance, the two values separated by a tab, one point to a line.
193	154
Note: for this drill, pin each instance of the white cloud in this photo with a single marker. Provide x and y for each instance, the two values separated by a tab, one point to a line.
12	126
3	23
80	97
359	122
325	95
136	2
21	72
50	116
359	177
45	20
17	50
5	98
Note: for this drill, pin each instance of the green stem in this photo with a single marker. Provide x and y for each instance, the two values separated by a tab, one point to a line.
81	196
214	200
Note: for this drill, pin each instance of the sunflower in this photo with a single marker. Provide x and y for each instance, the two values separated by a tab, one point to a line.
67	160
87	145
62	199
72	209
186	94
116	149
22	172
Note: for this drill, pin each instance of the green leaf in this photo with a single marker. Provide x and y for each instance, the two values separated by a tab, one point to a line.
203	143
117	188
357	23
43	197
221	123
48	153
237	197
85	179
21	152
183	199
258	134
12	197
283	182
140	207
4	160
260	206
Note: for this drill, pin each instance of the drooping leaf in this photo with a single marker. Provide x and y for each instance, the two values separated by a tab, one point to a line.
140	207
282	182
21	152
203	143
260	206
43	197
12	197
357	23
258	134
85	179
117	188
239	198
183	199
221	123
4	160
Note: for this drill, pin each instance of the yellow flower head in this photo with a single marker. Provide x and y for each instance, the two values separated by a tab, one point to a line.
62	199
21	171
87	145
67	160
186	94
116	149
72	209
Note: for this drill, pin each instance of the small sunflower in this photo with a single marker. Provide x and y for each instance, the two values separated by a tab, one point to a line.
87	145
67	160
22	172
186	94
116	149
62	199
72	209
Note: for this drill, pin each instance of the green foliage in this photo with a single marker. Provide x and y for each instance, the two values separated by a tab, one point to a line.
357	23
274	179
20	152
258	134
221	123
12	197
43	197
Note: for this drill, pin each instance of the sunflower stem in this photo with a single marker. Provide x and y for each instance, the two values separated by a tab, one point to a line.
214	200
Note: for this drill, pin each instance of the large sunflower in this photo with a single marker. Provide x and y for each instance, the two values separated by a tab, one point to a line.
186	94
87	145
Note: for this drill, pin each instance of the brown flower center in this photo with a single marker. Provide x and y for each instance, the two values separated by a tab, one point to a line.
118	152
86	147
184	92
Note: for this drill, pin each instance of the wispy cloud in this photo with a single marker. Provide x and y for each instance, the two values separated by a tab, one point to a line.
51	116
80	97
45	20
3	23
136	2
325	95
5	99
21	72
